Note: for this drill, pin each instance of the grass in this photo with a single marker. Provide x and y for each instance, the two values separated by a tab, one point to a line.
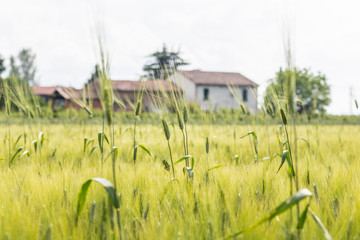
40	191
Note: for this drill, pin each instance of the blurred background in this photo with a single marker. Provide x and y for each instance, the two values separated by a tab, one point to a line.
231	36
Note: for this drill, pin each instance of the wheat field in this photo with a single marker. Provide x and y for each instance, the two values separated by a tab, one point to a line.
40	190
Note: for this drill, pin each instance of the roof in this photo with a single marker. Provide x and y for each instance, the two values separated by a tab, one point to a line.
150	85
125	85
218	78
119	86
46	91
69	92
65	92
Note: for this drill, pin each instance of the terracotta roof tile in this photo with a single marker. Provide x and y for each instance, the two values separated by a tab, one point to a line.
218	78
119	86
150	85
46	91
65	92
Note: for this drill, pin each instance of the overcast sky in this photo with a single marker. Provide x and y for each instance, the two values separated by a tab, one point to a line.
228	35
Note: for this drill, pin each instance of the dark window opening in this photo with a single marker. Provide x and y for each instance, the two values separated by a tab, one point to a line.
245	95
206	94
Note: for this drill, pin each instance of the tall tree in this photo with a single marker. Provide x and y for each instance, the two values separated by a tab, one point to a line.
163	63
27	65
14	69
94	74
2	65
312	90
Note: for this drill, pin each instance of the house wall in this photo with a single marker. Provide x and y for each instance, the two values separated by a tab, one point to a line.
252	103
188	87
70	104
221	96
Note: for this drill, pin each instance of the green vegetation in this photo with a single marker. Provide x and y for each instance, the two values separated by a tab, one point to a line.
312	90
40	190
163	63
2	66
23	67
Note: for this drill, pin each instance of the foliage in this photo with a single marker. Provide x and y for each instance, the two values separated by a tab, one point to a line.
26	68
14	69
94	74
2	66
163	63
312	90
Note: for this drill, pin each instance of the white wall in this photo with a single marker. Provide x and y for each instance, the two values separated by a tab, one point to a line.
186	85
251	104
221	96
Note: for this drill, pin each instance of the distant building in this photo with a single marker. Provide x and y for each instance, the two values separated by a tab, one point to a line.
211	89
59	96
127	91
207	89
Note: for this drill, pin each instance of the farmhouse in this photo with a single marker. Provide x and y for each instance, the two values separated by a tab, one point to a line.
127	91
58	96
212	89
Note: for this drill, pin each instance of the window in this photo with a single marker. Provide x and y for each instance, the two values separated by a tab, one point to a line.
206	94
245	95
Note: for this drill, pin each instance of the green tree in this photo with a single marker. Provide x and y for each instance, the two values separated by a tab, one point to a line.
2	66
94	74
27	65
26	69
163	63
312	90
14	69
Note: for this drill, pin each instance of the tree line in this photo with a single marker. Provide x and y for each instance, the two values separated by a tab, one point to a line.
21	66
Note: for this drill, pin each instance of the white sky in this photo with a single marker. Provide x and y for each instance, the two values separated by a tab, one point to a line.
227	35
